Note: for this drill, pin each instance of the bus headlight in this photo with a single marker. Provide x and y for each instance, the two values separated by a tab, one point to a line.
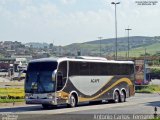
27	95
49	96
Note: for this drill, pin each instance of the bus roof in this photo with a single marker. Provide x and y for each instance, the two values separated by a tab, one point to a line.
80	60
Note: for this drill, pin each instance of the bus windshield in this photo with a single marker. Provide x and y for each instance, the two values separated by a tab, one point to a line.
39	77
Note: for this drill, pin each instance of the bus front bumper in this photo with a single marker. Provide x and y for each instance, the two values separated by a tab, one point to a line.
41	101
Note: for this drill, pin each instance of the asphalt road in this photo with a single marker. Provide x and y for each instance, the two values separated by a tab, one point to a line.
139	104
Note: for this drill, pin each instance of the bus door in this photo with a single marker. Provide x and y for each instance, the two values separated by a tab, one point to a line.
61	80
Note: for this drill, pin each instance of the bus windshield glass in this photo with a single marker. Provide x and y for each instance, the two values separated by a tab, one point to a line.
39	77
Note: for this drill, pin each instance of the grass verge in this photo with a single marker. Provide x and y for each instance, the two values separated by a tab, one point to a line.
11	95
148	89
11	100
155	118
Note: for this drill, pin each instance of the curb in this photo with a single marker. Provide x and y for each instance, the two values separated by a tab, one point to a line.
12	104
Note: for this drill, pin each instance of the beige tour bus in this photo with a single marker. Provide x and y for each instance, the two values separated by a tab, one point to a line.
55	81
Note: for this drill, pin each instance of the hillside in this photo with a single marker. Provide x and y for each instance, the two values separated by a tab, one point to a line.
150	49
137	44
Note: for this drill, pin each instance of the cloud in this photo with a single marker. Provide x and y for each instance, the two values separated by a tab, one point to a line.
45	20
27	11
68	1
24	3
49	9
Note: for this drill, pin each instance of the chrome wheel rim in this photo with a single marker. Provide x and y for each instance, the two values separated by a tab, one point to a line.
122	97
73	101
116	97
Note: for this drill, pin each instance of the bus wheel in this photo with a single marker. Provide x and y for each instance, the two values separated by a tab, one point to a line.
116	97
95	102
73	101
123	96
45	106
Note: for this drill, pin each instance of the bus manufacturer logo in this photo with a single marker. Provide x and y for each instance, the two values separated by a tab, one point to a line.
94	80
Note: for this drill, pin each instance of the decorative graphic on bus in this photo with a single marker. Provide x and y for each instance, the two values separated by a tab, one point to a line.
139	71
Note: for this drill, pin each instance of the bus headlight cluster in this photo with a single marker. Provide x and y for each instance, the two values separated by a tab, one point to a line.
49	96
28	95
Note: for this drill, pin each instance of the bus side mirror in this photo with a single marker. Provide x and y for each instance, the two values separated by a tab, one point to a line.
22	75
54	75
24	71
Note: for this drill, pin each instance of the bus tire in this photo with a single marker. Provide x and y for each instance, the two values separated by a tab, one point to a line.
116	98
123	96
95	102
73	101
46	106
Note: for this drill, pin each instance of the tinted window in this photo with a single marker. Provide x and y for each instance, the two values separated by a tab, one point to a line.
39	74
111	69
95	69
84	68
119	69
63	68
61	75
74	68
42	66
79	68
91	68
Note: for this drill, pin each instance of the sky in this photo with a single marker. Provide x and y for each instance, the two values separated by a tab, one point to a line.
64	22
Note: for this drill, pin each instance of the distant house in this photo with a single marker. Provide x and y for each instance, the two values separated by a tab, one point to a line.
27	57
7	44
9	53
41	55
5	63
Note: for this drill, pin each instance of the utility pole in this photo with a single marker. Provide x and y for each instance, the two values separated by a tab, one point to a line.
128	29
115	3
145	61
100	38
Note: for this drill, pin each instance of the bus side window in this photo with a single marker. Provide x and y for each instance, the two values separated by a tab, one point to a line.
84	68
61	75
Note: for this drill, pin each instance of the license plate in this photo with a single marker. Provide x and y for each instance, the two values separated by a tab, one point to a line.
37	101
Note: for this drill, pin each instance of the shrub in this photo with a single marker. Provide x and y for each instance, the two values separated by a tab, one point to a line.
155	70
11	93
